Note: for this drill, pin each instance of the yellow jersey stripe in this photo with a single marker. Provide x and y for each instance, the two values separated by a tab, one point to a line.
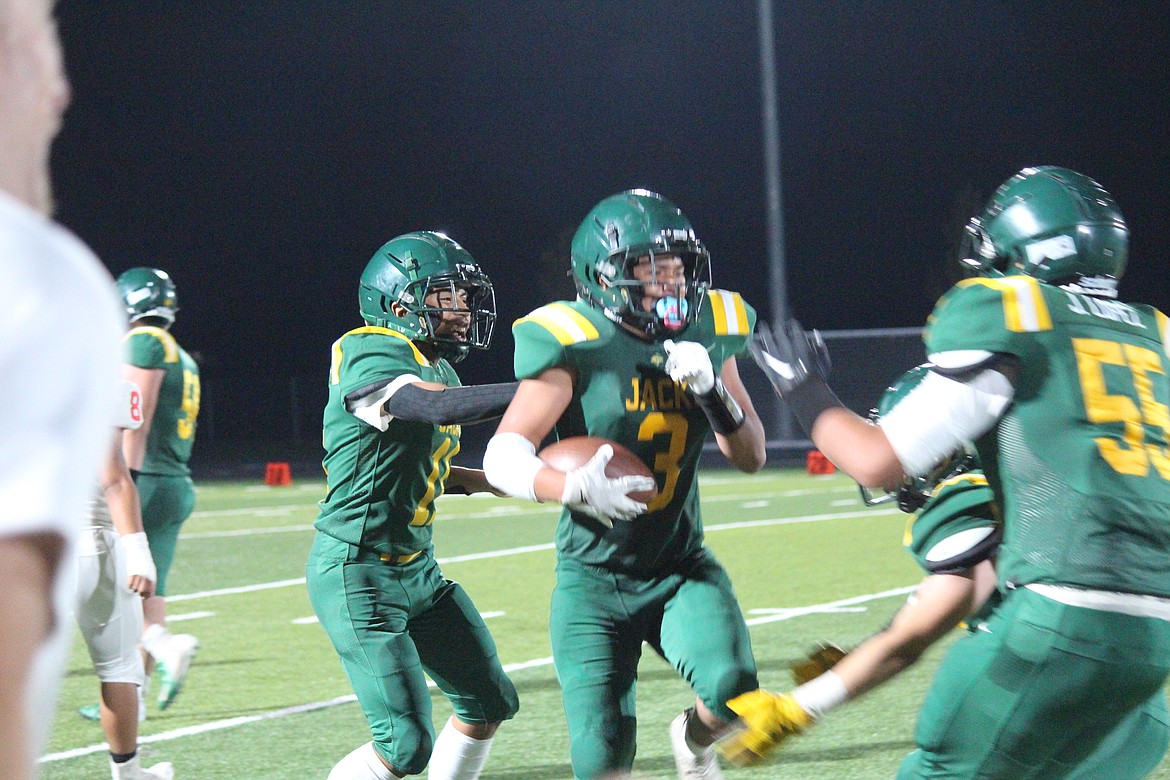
170	346
565	324
729	312
1024	309
338	353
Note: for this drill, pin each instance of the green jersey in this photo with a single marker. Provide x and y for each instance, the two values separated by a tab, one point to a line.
621	392
1080	459
382	483
951	533
172	429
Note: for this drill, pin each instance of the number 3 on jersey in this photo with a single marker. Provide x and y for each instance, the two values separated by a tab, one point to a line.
1136	454
665	463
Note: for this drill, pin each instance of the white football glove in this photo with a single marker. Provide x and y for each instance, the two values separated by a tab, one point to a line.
588	490
688	362
139	561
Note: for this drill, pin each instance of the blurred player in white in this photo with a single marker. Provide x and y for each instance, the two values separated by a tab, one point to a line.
115	572
60	327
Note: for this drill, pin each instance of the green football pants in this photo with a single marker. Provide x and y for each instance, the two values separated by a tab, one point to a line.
390	624
598	623
167	502
1040	694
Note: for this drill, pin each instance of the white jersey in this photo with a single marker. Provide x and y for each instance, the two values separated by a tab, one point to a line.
60	332
127	416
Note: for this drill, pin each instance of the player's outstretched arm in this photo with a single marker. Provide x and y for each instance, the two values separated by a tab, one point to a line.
438	404
940	603
796	362
767	719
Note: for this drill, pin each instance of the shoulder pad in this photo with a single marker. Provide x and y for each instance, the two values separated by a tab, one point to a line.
730	314
566	323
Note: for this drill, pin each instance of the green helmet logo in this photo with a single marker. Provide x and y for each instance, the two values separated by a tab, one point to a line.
148	292
615	235
1054	224
406	270
914	492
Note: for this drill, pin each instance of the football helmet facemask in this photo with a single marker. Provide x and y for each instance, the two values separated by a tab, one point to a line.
409	268
615	235
914	492
148	292
1054	224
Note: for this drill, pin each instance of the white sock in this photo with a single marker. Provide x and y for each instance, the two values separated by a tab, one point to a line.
818	696
457	756
362	764
155	638
129	769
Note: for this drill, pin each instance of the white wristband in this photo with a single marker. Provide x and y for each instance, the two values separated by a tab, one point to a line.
818	696
139	562
511	465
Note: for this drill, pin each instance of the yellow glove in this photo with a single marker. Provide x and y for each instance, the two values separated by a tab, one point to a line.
765	720
822	659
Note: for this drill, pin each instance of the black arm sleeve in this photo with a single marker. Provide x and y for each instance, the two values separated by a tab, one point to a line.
452	405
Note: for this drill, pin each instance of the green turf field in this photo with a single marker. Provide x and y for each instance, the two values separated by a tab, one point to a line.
267	698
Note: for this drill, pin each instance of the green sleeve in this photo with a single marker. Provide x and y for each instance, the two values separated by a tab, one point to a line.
146	350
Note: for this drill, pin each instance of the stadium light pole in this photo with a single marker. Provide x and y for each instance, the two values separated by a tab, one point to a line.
778	286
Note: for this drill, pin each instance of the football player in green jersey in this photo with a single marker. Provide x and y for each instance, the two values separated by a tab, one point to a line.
1065	392
953	537
391	429
645	356
158	452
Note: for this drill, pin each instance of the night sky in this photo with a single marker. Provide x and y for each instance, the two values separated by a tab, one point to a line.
262	151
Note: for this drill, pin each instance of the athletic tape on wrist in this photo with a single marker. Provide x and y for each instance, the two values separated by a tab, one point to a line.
724	412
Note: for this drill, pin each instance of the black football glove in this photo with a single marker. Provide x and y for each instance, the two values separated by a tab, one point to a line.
796	362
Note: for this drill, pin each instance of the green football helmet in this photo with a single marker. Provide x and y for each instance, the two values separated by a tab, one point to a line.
608	244
914	492
1054	224
148	292
408	268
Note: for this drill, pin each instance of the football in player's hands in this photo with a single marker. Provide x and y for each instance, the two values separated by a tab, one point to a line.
575	451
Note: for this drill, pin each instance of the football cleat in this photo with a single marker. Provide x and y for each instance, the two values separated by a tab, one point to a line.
173	665
132	770
691	766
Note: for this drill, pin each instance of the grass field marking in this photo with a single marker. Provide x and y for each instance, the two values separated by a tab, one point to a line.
279	529
800	519
286	508
227	723
832	606
189	616
281	509
538	548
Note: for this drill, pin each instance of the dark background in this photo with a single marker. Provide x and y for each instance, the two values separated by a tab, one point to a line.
261	151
